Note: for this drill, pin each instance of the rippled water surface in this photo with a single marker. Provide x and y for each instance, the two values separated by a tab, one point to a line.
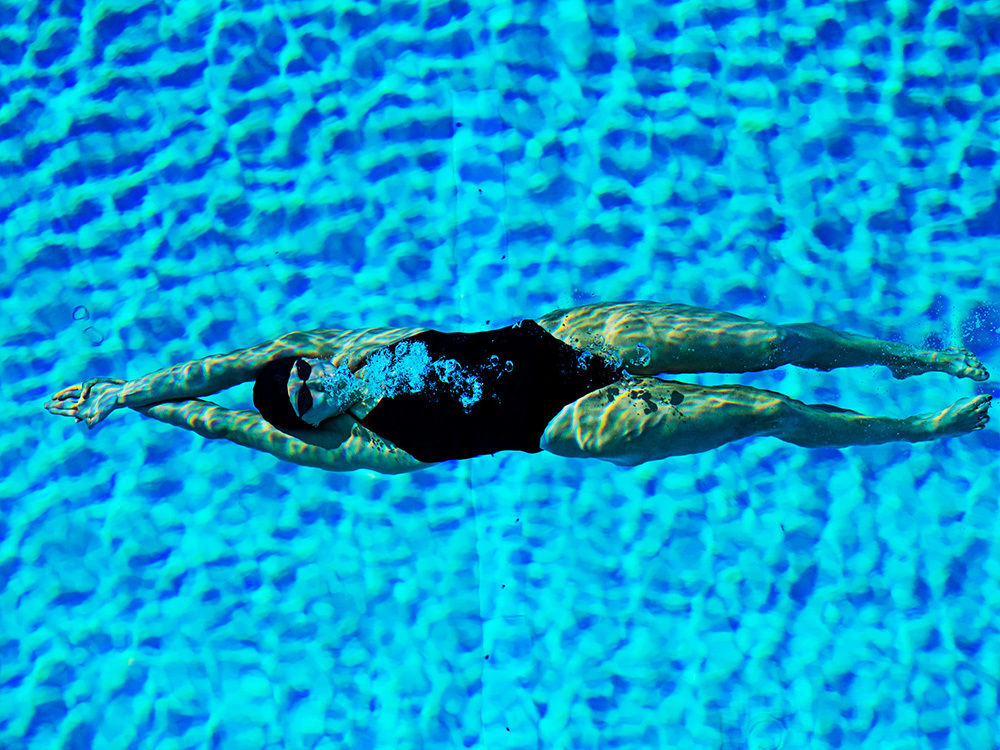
186	178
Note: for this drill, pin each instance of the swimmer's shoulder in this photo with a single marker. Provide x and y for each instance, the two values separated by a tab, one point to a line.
346	345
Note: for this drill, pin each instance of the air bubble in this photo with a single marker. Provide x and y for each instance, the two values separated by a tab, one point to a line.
96	337
405	370
81	313
509	366
494	360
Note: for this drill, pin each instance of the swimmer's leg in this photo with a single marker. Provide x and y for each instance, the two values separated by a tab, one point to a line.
822	348
654	419
680	338
687	339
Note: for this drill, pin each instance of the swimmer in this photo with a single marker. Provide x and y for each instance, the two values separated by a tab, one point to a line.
586	382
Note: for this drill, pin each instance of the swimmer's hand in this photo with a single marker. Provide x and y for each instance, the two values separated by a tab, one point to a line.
90	402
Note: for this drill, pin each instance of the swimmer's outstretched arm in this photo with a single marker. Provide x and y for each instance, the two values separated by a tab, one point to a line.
243	427
345	449
92	401
212	374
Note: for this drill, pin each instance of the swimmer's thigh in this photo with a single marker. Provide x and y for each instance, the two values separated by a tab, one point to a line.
653	419
679	338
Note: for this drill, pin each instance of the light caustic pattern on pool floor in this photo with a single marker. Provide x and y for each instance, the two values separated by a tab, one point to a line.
178	180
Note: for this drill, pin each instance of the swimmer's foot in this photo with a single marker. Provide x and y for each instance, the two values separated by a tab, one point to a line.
961	417
955	361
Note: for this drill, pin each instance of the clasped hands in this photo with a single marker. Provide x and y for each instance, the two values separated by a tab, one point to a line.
90	402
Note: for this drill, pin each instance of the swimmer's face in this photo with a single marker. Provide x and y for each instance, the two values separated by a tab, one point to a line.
310	402
317	390
298	391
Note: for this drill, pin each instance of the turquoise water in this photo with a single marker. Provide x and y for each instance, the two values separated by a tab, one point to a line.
186	178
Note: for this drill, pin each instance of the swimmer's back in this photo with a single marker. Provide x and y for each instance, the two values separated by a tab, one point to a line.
526	377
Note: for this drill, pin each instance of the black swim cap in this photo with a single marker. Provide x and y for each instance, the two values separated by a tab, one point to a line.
270	396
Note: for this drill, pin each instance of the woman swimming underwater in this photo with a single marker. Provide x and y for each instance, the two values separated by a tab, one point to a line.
577	382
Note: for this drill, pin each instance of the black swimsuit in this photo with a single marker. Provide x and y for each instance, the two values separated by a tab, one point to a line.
526	374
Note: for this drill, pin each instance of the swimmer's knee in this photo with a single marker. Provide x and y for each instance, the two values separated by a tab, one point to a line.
786	345
798	342
767	412
761	346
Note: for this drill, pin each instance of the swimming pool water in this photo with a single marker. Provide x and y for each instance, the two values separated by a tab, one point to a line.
179	179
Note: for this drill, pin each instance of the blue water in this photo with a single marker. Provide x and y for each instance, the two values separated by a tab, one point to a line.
184	179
